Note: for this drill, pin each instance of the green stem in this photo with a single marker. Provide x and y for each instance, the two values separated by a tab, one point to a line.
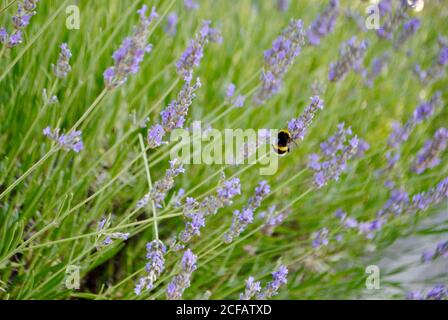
148	177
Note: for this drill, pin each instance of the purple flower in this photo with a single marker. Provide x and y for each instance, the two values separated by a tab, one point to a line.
181	281
351	57
376	67
155	136
443	56
409	28
438	292
336	151
400	134
197	212
192	56
422	201
171	24
273	219
174	115
237	101
129	56
299	126
109	237
320	238
191	5
396	204
279	279
441	250
25	11
278	59
62	67
155	251
282	5
71	141
252	289
429	156
324	23
392	20
161	187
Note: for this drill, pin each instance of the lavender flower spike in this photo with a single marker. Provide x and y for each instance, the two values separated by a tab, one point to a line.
174	115
438	292
154	267
241	219
324	23
161	187
25	11
181	281
336	151
351	57
440	251
130	55
71	141
171	23
196	212
429	156
191	5
283	5
252	289
62	67
278	59
192	56
409	29
279	279
299	126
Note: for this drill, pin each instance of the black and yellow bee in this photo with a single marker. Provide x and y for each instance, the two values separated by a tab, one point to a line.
283	141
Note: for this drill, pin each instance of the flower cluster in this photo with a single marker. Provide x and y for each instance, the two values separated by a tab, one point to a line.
70	141
299	126
320	238
438	292
324	24
279	279
283	5
401	133
232	98
155	251
392	20
62	67
241	219
429	156
192	56
108	237
437	70
441	250
273	219
131	52
351	57
171	24
376	67
409	29
254	289
278	59
336	151
191	5
161	187
174	115
367	228
181	281
26	10
197	212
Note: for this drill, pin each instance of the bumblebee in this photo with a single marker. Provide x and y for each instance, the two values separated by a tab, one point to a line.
283	141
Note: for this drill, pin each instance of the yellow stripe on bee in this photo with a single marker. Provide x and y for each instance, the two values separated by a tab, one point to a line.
285	148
